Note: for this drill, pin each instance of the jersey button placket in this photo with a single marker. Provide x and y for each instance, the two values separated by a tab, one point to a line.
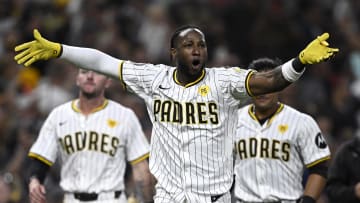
81	159
186	170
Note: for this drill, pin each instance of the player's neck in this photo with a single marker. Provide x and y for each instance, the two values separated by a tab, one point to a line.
88	106
184	78
265	113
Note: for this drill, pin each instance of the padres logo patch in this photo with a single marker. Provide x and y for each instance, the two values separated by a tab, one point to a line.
204	90
283	128
111	123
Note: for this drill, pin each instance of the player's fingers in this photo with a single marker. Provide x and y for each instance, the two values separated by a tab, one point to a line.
24	45
42	190
323	37
324	43
334	50
28	56
37	35
21	54
36	196
29	62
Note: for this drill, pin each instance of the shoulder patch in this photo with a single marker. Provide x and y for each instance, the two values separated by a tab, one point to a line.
320	141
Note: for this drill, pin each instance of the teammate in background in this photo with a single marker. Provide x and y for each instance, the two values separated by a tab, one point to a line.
192	108
343	185
274	143
94	138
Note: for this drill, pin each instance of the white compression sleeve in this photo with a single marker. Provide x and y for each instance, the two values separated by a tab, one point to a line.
91	59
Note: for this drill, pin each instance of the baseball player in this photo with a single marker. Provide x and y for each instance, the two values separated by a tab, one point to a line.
192	108
273	144
93	137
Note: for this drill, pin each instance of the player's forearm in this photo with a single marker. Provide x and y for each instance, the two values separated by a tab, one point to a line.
147	190
144	181
314	186
276	79
38	170
91	59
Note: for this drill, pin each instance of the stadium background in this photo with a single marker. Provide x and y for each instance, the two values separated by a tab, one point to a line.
237	31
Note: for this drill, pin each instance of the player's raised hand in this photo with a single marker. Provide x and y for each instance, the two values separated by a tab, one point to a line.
38	49
317	51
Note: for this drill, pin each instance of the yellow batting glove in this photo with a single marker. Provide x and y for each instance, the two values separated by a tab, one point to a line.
317	51
38	49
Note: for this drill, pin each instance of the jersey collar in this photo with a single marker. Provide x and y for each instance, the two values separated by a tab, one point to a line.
75	104
252	113
189	84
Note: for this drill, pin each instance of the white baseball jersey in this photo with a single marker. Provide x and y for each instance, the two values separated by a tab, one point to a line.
93	149
270	158
193	127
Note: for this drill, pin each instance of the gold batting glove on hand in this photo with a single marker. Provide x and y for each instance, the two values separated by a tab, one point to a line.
317	51
38	49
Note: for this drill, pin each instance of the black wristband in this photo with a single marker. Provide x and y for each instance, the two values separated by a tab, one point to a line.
306	199
298	66
61	51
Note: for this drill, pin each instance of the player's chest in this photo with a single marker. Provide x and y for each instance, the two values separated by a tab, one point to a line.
201	92
277	129
99	124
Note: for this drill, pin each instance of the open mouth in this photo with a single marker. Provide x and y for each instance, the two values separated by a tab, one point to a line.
196	63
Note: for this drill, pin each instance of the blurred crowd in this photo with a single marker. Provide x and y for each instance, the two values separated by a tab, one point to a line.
237	31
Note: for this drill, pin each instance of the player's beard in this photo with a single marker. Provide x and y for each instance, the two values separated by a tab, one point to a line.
90	95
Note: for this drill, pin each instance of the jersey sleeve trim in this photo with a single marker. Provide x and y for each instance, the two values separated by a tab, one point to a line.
40	158
141	158
247	87
317	161
121	74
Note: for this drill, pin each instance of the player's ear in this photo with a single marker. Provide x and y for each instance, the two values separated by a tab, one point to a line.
173	53
77	77
108	83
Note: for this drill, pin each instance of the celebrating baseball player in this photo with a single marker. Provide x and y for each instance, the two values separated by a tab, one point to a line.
94	138
273	144
192	107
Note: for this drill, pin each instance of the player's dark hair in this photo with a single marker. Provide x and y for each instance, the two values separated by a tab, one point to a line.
176	33
263	64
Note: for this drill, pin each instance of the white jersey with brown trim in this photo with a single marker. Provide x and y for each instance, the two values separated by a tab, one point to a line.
270	158
93	149
193	125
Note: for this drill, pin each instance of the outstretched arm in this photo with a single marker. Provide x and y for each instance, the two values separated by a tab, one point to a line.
86	58
277	79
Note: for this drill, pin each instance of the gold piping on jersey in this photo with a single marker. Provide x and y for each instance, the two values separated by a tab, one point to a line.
189	84
120	74
76	109
141	158
40	158
247	83
281	107
253	116
317	161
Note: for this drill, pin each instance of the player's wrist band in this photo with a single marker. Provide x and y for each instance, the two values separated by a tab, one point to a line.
289	73
306	199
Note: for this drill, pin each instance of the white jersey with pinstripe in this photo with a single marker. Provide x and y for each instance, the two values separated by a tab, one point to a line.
193	126
270	158
93	149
